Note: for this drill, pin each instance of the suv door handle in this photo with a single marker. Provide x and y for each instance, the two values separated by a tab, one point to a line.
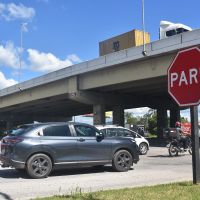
80	140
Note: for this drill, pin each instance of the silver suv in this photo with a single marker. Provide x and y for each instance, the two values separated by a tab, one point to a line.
114	130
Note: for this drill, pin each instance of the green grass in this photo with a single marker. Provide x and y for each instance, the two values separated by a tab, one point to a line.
174	191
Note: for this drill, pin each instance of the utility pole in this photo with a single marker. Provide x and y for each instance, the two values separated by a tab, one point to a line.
143	29
22	28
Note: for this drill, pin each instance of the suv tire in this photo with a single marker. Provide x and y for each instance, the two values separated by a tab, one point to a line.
143	148
39	166
122	161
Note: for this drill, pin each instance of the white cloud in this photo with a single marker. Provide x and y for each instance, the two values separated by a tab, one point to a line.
9	56
47	62
12	11
2	8
36	60
74	58
6	82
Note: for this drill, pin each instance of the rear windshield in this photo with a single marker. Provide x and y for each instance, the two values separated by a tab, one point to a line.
20	130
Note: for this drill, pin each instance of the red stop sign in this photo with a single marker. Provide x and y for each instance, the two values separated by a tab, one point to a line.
184	77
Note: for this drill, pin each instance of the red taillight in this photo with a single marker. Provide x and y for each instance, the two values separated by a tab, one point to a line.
12	140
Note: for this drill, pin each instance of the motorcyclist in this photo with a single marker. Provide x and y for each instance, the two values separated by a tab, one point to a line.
183	136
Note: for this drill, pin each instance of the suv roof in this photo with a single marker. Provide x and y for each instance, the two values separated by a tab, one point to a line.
100	127
38	124
47	123
108	126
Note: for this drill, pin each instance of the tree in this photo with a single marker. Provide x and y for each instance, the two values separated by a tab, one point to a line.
184	119
149	120
152	123
130	119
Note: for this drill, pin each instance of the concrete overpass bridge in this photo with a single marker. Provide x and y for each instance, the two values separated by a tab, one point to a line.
117	81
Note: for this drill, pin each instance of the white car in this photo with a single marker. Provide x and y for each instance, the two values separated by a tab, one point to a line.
113	130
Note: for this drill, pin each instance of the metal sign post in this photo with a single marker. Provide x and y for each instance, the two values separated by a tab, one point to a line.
195	144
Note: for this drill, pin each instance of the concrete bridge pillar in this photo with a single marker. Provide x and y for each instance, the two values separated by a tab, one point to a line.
118	115
9	125
99	114
174	116
161	121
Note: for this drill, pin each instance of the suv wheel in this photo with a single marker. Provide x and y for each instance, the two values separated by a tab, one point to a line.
122	161
143	148
39	166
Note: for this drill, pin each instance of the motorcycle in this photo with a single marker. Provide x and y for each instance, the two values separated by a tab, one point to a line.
176	146
178	143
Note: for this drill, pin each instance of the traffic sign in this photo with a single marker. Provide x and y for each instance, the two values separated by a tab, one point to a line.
184	77
184	87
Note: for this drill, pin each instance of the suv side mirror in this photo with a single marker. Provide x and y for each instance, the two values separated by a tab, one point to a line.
99	135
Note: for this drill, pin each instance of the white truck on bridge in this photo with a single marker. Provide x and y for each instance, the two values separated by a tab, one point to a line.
168	29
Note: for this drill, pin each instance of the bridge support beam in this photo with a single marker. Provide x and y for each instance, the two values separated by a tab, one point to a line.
161	121
118	115
85	97
9	125
174	116
99	114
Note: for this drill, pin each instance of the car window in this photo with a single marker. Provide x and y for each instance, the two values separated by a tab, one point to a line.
85	131
111	132
134	134
124	133
120	132
128	133
103	131
20	130
61	130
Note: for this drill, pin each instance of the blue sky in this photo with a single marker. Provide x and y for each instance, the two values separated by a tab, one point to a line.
64	32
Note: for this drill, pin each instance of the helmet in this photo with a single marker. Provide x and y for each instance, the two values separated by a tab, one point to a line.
178	124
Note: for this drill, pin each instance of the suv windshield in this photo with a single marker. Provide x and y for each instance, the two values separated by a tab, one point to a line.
20	130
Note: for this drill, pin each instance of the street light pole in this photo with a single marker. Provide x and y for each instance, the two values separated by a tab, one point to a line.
20	55
22	28
143	29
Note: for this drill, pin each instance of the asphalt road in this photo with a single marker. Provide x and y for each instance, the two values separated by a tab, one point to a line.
154	168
